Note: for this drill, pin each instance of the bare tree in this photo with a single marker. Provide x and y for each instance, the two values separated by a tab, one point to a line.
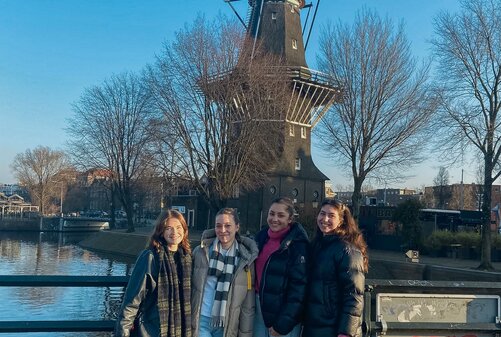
169	158
220	106
377	130
468	47
39	170
441	189
110	129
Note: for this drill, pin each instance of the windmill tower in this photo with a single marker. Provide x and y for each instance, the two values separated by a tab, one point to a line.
276	26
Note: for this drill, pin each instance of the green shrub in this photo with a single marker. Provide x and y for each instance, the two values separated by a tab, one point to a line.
468	239
438	240
496	241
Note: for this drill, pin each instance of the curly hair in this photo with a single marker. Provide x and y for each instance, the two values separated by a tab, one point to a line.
157	238
348	229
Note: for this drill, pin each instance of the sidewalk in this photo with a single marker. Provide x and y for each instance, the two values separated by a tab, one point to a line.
424	259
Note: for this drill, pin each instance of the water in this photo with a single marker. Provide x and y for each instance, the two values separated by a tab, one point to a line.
57	254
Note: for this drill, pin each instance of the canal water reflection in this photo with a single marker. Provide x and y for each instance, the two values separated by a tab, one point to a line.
57	254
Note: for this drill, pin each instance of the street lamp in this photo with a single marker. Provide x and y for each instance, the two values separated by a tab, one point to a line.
61	205
60	197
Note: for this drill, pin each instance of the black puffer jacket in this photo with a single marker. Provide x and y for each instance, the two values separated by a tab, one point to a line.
283	284
334	301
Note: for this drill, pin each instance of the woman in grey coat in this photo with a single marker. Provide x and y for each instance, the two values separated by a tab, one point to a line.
222	293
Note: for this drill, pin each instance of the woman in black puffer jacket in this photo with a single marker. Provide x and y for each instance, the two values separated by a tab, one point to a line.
281	273
339	261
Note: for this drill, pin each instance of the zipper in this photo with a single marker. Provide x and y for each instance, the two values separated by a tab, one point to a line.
263	279
206	253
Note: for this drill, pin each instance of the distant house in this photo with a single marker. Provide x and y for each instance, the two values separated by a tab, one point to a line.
392	196
458	196
381	196
14	205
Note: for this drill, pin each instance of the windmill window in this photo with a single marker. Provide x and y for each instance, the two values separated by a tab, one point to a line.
297	164
303	132
273	15
294	44
291	130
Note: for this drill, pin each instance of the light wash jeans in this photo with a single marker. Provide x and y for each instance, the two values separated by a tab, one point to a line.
205	330
260	330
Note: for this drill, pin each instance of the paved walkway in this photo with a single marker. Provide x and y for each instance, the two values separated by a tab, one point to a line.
373	254
424	259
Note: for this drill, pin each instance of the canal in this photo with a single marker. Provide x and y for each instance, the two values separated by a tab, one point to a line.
29	253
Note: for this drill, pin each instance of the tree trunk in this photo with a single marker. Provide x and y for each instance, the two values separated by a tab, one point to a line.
485	262
357	196
129	207
112	207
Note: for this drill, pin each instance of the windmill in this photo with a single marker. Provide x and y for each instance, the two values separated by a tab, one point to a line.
277	26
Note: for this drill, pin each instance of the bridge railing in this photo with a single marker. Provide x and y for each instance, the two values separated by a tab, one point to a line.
59	281
392	307
431	308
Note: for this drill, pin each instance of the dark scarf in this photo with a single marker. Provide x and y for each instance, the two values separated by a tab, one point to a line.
174	294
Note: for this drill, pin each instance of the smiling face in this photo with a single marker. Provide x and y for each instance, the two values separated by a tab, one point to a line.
278	217
328	219
173	233
226	229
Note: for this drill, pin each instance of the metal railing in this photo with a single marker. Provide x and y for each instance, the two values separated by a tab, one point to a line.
59	281
430	308
413	294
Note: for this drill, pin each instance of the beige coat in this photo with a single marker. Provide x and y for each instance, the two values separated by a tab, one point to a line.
240	308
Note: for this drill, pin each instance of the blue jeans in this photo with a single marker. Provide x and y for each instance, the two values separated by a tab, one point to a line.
205	330
260	330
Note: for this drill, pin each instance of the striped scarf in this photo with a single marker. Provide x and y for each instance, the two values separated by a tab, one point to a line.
222	267
174	294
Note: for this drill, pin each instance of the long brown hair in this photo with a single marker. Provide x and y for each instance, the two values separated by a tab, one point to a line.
157	238
348	229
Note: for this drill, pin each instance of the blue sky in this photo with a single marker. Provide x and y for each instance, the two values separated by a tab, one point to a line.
51	50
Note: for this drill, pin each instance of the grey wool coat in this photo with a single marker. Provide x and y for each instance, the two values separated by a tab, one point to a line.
240	308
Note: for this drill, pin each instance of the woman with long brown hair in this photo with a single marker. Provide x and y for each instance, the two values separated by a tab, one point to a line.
157	299
338	264
281	268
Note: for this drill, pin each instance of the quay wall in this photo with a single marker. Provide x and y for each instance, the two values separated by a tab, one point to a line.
121	243
16	224
49	224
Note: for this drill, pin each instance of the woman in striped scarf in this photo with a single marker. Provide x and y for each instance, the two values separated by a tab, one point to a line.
157	298
223	296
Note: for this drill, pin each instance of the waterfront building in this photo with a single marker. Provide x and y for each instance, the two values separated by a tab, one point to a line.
14	205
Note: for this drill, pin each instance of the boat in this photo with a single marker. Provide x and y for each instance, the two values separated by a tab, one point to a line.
84	224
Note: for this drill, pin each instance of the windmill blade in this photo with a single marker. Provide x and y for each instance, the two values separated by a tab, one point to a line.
311	26
229	2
